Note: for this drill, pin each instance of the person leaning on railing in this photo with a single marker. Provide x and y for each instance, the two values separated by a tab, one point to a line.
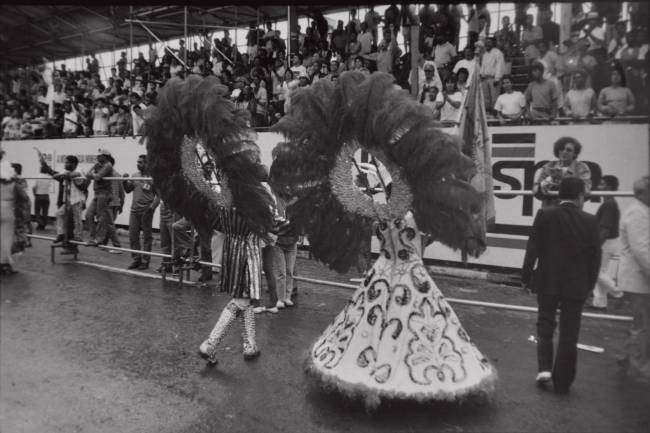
566	149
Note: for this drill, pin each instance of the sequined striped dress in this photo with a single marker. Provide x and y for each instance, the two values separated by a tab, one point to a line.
242	271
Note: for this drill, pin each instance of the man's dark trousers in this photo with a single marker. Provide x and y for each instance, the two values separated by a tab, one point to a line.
141	221
564	368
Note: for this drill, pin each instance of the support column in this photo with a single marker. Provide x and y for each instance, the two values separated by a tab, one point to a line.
292	47
565	24
415	57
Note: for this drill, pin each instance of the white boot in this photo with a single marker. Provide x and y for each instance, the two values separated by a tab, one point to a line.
250	346
208	348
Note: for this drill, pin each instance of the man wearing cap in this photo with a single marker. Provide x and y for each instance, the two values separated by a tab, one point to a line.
100	206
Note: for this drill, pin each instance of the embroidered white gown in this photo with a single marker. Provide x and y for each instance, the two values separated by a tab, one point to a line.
398	337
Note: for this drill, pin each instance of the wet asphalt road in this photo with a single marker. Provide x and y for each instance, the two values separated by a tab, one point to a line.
87	350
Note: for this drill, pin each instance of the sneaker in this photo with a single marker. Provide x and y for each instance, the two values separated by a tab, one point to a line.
133	265
115	252
272	309
143	266
58	240
543	377
280	305
92	243
258	310
288	303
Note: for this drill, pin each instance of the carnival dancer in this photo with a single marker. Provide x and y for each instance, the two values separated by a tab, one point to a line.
196	112
397	338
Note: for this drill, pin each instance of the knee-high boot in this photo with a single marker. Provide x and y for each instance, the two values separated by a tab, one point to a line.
208	349
248	322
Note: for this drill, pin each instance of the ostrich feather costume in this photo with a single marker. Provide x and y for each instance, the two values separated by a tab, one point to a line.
397	338
194	112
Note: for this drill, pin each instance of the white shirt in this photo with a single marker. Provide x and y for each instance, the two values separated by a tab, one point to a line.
70	121
447	112
510	104
493	63
467	64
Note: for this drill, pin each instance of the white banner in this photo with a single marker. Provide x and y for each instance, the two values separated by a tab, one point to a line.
518	152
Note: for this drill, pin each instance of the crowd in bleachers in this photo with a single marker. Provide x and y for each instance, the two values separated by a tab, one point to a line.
525	70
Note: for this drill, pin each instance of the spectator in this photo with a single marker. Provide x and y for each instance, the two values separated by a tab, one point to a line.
100	117
448	101
616	99
429	78
99	206
492	68
297	67
510	105
41	190
472	25
73	191
594	32
608	216
550	29
541	95
553	68
388	51
505	34
443	55
428	99
167	218
360	66
339	39
354	25
634	279
137	112
580	101
531	33
12	198
261	103
468	62
70	119
143	205
461	81
618	40
365	39
567	150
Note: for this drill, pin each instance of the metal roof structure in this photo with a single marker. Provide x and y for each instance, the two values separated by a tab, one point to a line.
30	32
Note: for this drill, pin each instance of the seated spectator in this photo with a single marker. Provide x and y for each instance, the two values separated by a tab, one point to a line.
360	66
510	105
296	65
580	101
461	81
12	126
541	95
352	49
428	99
468	62
616	99
429	78
448	101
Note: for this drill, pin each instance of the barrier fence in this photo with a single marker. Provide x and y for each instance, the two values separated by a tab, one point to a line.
189	265
513	192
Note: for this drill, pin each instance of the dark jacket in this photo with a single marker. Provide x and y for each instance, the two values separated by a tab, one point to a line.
565	243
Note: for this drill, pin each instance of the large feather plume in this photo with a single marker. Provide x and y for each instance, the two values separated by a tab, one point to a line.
314	127
382	118
197	109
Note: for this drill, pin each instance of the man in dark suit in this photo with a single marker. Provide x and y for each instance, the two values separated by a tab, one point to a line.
565	243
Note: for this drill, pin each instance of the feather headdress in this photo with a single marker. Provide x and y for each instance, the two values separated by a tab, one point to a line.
197	110
374	114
